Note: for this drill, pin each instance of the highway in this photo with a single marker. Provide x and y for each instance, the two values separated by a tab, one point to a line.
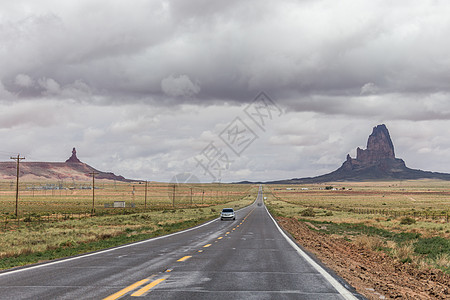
249	258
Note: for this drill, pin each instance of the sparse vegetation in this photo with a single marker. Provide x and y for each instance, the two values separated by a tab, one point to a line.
407	221
371	242
72	234
404	220
309	212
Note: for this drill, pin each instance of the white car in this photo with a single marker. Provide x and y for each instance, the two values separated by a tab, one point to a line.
227	214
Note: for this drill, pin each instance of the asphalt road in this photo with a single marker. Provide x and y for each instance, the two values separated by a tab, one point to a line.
249	258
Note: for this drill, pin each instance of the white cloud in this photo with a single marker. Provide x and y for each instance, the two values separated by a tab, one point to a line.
181	85
369	88
50	86
24	80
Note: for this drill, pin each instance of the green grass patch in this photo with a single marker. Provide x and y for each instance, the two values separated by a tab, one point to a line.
359	228
432	247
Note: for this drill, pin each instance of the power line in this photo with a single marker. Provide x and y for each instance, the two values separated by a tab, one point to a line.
7	153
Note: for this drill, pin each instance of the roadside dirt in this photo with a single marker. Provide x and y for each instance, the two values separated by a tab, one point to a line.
372	273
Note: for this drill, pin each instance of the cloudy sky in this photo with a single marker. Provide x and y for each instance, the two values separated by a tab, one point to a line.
150	89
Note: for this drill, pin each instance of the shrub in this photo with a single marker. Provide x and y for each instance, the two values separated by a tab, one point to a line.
67	243
329	213
443	260
407	221
329	187
309	212
404	252
371	242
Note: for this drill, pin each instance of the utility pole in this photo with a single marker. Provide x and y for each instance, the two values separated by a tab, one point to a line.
191	196
18	159
203	195
173	196
93	190
145	197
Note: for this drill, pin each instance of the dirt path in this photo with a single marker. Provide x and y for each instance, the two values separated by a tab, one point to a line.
374	274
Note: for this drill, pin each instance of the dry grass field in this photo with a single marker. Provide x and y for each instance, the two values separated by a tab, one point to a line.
57	220
407	219
44	198
427	202
387	239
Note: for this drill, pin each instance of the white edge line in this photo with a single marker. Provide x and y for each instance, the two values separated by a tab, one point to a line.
111	249
343	291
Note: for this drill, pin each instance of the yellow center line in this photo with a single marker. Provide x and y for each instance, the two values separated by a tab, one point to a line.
237	226
207	245
146	288
227	232
234	228
200	251
220	237
185	257
127	289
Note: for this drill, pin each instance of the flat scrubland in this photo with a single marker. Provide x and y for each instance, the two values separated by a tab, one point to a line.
42	198
57	220
388	239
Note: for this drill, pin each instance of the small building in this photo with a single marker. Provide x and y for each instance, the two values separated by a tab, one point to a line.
119	204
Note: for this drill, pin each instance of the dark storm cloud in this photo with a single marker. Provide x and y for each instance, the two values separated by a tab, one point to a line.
142	86
225	50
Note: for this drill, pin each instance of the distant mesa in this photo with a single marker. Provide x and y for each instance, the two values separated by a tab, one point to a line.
376	162
71	169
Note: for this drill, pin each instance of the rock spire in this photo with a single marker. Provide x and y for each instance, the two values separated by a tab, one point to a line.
379	147
73	158
377	162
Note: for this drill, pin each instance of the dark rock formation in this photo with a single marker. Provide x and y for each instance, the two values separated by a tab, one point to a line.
73	158
379	146
377	162
379	154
